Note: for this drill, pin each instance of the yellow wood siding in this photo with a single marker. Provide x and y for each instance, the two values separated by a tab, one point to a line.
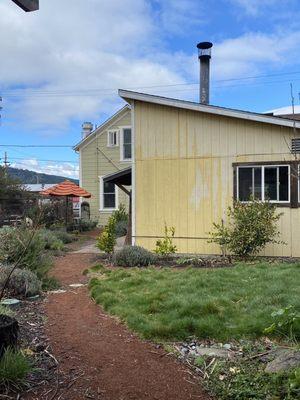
94	164
184	174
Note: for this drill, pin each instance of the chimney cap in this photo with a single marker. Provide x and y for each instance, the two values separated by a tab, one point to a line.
204	45
204	50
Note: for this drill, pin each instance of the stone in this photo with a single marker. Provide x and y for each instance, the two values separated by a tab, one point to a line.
285	361
213	352
227	346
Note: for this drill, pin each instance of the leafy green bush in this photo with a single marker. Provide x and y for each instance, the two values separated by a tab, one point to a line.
17	242
134	256
165	246
107	239
120	214
21	283
50	239
251	226
14	367
4	310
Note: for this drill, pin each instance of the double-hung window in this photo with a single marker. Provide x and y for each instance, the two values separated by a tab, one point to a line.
126	144
264	182
112	138
108	196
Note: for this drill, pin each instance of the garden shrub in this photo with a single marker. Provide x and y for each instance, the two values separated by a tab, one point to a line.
120	217
14	367
134	256
21	283
165	246
64	236
50	239
14	242
107	239
251	226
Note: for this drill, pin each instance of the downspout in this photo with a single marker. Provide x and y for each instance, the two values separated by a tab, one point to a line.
133	183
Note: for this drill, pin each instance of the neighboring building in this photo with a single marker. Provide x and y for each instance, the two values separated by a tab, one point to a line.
191	160
38	187
103	151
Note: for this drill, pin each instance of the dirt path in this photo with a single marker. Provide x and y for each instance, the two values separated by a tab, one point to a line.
106	359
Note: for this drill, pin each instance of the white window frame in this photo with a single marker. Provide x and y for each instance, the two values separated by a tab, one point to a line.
109	133
263	181
101	193
122	143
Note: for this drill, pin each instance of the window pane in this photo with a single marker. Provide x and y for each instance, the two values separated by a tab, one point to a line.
127	136
109	200
271	183
245	184
108	187
257	183
284	183
127	151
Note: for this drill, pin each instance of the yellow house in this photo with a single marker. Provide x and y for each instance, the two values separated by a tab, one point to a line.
190	160
102	151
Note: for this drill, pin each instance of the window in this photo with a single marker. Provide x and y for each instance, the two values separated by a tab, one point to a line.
126	144
264	183
108	196
112	138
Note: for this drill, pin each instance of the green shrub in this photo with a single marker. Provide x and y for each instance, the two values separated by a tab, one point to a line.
134	256
21	283
107	239
120	214
121	228
251	226
65	237
50	239
14	367
165	246
14	243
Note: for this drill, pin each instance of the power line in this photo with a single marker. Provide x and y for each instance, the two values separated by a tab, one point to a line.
35	145
95	91
40	159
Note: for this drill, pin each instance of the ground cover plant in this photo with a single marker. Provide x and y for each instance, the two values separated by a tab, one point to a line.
173	304
14	367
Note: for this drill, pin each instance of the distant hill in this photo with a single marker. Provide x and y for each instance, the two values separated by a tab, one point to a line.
31	177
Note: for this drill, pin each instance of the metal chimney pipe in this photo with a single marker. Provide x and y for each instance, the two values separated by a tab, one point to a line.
87	128
204	55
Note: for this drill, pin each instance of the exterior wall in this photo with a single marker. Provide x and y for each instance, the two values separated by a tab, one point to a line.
184	174
93	164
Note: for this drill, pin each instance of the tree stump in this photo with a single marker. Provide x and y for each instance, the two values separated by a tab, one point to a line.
9	329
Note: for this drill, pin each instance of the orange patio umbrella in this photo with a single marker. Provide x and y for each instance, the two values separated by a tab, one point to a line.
67	189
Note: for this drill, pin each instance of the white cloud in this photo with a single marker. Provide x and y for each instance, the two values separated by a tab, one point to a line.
79	48
65	169
254	7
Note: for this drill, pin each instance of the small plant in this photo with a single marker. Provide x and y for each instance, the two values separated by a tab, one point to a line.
65	237
21	283
165	246
6	311
134	256
107	239
285	320
250	228
120	214
14	367
50	239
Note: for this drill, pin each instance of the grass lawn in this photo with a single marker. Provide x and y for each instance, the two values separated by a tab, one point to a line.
173	304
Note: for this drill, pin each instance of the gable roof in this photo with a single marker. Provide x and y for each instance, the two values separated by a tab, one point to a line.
101	127
128	95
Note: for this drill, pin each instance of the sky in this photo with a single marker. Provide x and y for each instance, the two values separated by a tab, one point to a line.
62	65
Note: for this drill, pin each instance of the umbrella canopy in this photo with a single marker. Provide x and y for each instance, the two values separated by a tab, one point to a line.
66	188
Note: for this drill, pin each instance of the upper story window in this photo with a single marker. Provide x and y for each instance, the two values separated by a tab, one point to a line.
112	138
264	182
126	144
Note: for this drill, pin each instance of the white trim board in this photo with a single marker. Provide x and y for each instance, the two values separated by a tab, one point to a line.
226	112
